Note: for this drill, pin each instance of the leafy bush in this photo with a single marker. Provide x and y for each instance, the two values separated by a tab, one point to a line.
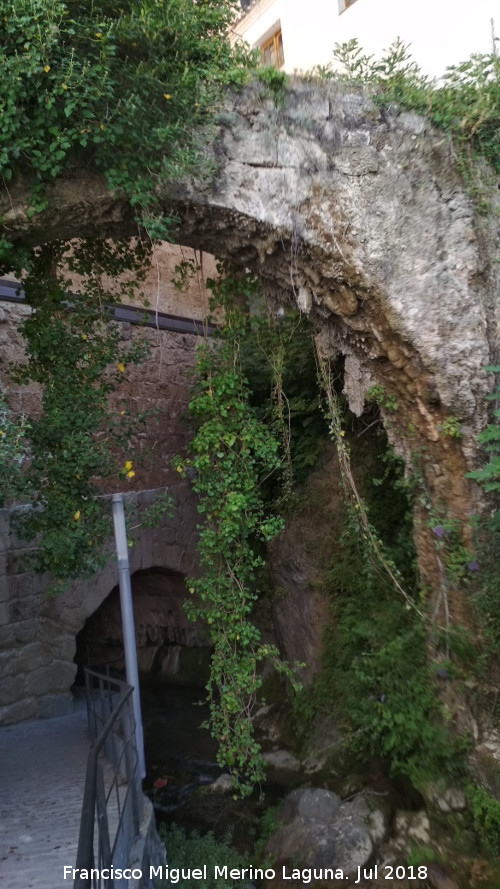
233	451
130	83
194	850
376	670
485	811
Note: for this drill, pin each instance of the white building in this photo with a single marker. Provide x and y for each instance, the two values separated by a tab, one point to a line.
297	36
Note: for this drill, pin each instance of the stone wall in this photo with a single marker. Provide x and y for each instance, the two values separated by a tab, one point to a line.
158	386
38	632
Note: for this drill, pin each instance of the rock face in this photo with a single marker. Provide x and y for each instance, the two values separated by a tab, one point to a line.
317	830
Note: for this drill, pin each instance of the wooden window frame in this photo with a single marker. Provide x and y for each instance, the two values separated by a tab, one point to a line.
275	41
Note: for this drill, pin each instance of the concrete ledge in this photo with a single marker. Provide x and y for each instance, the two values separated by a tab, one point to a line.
147	850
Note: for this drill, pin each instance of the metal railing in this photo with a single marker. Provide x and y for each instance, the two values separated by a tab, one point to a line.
113	801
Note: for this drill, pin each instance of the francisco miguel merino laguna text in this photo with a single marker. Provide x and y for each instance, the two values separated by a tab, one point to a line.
175	874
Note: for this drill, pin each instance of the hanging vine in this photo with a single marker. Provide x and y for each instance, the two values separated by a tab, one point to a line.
233	452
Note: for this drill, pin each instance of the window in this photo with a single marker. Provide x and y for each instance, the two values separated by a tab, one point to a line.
272	50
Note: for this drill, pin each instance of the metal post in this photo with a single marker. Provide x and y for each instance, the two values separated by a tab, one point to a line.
128	622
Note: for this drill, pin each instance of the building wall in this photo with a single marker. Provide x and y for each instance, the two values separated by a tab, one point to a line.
440	34
159	386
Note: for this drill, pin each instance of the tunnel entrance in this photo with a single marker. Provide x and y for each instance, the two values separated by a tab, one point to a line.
169	646
173	659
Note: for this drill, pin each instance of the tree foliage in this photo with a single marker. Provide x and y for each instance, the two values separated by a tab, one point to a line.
128	89
129	83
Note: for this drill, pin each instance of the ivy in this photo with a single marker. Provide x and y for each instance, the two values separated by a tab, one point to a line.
232	454
489	474
13	445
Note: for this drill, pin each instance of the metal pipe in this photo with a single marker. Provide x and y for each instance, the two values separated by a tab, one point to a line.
128	622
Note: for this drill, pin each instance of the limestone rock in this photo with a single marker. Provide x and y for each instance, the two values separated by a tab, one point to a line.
318	830
223	784
282	760
449	799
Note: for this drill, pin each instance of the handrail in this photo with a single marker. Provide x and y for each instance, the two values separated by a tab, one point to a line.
85	853
111	808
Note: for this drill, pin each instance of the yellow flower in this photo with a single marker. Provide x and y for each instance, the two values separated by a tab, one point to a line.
121	366
179	468
98	34
122	413
83	336
64	86
130	474
76	515
128	464
167	95
342	433
46	68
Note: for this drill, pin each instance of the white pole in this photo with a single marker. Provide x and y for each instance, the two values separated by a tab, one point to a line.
128	622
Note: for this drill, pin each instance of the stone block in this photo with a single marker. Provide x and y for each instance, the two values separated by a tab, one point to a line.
13	635
64	647
19	711
31	657
146	548
307	106
20	585
58	676
24	609
6	660
4	587
4	613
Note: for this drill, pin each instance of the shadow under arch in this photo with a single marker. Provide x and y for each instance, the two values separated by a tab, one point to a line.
165	638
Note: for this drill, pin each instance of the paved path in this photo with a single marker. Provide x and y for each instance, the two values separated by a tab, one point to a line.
42	774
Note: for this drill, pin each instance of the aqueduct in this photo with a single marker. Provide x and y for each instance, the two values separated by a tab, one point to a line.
360	217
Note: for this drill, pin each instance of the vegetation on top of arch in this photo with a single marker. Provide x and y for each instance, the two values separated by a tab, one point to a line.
129	83
465	103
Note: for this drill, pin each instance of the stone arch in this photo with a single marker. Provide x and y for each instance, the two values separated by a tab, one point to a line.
38	637
357	215
360	217
163	631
